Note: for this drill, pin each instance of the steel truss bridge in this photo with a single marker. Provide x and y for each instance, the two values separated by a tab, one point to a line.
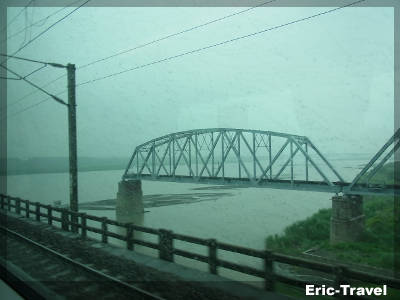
253	158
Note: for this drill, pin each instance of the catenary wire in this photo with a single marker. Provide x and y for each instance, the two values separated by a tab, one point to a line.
35	61
34	105
204	48
176	34
37	22
23	58
45	64
25	22
146	44
9	78
34	85
218	44
22	77
47	29
36	70
24	97
16	16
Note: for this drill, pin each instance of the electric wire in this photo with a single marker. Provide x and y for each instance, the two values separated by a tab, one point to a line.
37	36
33	92
23	58
33	105
16	16
25	22
26	76
175	34
218	44
39	21
36	70
45	64
34	85
147	44
9	78
47	29
35	61
204	48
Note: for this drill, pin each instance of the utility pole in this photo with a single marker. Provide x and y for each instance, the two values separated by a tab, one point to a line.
73	163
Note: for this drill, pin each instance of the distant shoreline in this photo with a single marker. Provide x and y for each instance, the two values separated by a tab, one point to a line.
56	165
13	173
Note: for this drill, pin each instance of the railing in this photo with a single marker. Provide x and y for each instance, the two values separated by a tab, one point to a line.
77	222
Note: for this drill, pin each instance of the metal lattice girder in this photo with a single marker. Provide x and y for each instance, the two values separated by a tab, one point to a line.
253	157
387	151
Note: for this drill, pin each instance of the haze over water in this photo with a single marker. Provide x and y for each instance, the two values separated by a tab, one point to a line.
239	216
230	218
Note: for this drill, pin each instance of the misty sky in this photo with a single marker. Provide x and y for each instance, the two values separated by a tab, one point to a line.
329	78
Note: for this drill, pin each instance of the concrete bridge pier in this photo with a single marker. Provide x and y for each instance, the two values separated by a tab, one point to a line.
129	206
347	220
129	209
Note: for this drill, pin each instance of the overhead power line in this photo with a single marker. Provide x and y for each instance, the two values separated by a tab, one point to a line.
47	29
218	44
147	44
36	70
16	16
34	105
35	61
39	21
33	92
175	34
9	78
37	36
204	48
45	64
23	58
34	85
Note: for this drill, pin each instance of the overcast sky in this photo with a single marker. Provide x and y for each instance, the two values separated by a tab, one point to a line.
329	78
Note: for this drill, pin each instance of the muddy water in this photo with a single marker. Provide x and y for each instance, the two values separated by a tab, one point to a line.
240	216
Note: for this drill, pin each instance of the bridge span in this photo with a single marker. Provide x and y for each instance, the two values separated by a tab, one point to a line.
253	158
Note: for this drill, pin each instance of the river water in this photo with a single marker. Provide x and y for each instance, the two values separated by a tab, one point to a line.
239	216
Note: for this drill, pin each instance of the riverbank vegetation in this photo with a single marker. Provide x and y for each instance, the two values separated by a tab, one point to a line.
375	248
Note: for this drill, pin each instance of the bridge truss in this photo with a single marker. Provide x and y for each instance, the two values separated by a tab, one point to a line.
235	157
368	180
257	158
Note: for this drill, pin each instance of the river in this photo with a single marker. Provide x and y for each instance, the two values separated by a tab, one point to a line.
240	216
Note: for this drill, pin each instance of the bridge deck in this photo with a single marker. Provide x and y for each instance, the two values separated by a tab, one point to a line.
300	185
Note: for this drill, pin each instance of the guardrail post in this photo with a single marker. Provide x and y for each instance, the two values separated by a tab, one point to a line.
2	201
8	203
49	215
27	208
64	220
18	205
104	237
83	225
165	243
74	221
269	282
129	237
212	256
37	211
